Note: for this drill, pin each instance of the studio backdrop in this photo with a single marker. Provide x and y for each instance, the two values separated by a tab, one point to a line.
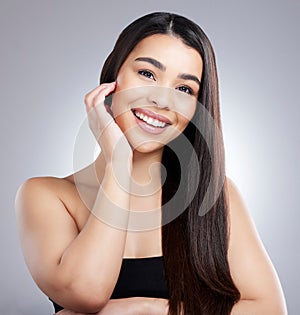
51	55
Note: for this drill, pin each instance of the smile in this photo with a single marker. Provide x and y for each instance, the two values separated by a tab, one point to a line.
150	121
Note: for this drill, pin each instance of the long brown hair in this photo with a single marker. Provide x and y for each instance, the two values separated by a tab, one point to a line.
194	246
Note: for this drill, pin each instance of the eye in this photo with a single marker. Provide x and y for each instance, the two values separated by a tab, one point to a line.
146	74
186	89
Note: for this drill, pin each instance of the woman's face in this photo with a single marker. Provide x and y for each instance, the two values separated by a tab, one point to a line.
156	92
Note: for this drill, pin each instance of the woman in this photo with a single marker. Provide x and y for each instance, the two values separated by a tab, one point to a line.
87	239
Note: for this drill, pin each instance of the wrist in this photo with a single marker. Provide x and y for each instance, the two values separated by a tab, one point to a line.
153	306
139	306
120	165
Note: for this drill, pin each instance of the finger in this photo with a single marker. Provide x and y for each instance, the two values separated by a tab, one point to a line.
99	117
89	96
92	98
100	97
98	108
108	109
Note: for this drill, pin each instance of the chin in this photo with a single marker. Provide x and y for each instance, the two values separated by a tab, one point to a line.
149	147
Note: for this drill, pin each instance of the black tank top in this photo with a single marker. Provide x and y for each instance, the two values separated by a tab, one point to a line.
139	277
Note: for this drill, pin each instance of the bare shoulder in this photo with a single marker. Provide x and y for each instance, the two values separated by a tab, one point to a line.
45	182
241	225
50	195
234	194
41	187
46	223
238	211
250	265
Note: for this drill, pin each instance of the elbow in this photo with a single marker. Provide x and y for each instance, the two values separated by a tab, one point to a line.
88	303
81	298
89	300
92	294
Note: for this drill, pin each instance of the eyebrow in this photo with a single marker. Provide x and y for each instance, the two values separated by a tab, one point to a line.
160	66
186	76
154	62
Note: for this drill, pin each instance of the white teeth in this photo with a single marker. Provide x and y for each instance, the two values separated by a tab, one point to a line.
150	120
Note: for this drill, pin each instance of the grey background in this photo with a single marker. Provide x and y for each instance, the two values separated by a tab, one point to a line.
51	54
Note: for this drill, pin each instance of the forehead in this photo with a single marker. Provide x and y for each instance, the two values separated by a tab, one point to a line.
169	50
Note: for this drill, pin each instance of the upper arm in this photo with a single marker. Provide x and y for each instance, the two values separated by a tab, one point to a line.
250	266
45	228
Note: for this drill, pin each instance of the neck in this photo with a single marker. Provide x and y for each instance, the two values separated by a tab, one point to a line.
146	169
145	188
146	173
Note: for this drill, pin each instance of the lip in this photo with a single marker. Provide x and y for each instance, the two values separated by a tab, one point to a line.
153	115
148	128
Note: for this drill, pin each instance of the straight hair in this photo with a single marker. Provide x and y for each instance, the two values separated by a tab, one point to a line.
194	246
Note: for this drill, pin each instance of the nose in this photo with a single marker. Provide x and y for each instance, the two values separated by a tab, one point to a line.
161	97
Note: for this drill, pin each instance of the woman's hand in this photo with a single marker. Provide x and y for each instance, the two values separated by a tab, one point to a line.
130	306
111	139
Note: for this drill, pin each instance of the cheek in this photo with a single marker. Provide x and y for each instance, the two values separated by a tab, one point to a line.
124	121
185	105
125	80
185	112
183	122
121	80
